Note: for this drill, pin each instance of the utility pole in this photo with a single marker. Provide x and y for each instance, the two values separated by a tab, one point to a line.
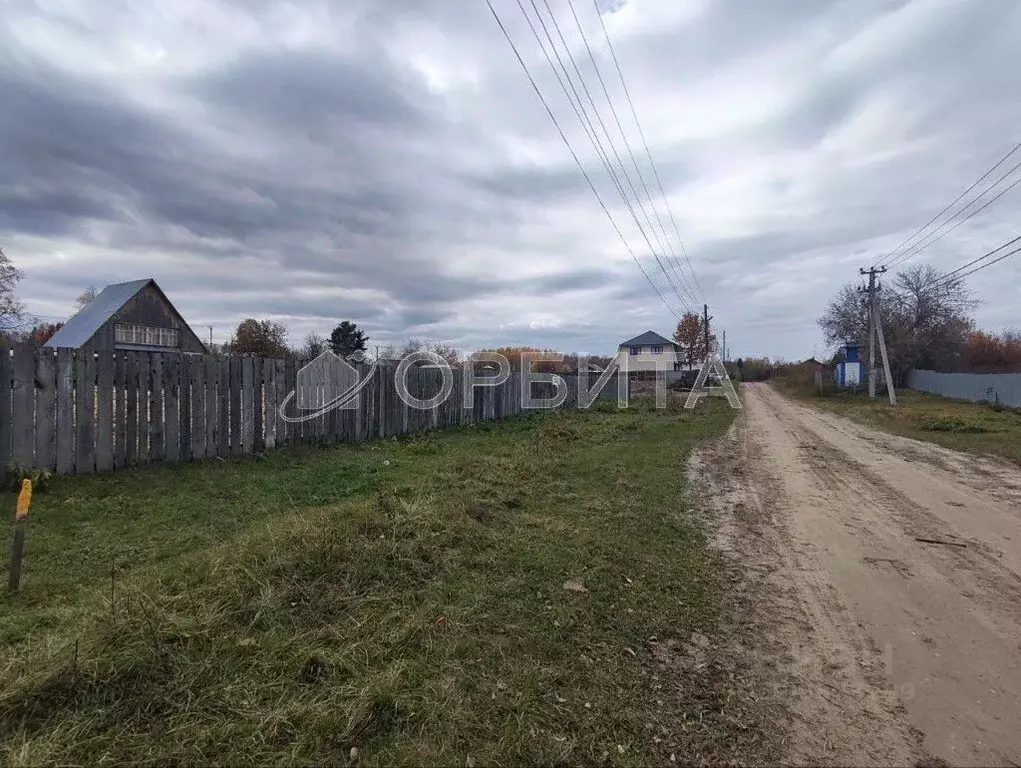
876	331
724	345
210	338
705	315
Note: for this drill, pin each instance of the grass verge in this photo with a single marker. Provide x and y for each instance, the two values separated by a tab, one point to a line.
493	594
959	424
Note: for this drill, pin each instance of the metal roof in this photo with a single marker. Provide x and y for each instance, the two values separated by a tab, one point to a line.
83	326
647	338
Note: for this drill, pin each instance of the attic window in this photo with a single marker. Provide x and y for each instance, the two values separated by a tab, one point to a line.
145	335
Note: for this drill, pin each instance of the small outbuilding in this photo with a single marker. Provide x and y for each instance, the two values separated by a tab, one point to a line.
136	315
849	373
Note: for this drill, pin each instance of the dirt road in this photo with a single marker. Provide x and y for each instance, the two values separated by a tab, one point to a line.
894	650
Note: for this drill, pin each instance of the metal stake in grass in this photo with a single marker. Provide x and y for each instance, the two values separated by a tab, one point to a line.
18	542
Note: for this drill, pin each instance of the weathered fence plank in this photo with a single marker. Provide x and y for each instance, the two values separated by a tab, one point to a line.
131	373
5	407
104	411
120	427
283	435
172	406
197	375
235	406
269	376
23	406
184	400
66	368
223	407
295	431
84	413
46	410
157	448
247	405
258	405
212	370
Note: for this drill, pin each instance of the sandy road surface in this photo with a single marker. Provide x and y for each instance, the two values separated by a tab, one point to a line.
895	650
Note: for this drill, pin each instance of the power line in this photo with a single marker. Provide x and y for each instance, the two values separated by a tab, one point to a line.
935	238
645	143
574	155
980	258
578	106
989	264
958	274
892	260
671	258
955	277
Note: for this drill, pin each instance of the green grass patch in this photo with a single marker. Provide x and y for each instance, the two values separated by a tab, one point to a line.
959	424
405	599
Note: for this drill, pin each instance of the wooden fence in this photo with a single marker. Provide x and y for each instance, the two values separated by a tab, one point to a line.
77	413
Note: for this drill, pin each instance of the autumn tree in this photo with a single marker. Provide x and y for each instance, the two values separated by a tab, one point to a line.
990	353
347	338
12	311
259	338
43	332
690	334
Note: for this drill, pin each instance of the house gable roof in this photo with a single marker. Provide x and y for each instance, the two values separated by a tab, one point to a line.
77	331
646	339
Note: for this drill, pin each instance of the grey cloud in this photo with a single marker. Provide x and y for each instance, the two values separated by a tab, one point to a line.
274	168
306	92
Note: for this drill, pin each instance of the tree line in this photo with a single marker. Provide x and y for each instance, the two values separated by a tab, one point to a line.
928	323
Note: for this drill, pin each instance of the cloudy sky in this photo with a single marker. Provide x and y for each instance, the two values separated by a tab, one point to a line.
389	163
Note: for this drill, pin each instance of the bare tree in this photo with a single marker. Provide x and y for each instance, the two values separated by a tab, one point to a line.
312	346
926	319
85	298
450	354
12	311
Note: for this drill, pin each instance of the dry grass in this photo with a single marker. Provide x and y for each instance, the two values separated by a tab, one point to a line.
959	424
401	602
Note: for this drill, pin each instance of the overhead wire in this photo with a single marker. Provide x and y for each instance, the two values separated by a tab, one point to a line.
959	274
645	143
671	257
574	155
578	106
897	255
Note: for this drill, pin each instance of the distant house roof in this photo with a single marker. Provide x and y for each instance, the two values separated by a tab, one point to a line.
83	326
77	331
646	339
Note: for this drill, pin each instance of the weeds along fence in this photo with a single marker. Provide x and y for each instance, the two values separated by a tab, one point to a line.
1002	388
74	412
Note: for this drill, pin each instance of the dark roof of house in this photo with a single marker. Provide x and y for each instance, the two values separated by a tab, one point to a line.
83	326
649	337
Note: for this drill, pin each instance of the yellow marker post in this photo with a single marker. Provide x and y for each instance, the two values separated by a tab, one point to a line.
18	543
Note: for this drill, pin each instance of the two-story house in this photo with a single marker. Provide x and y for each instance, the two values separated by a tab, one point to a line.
652	352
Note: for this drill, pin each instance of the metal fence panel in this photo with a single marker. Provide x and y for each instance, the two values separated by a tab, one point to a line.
1003	388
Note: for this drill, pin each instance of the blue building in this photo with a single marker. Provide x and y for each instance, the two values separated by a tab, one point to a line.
850	374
